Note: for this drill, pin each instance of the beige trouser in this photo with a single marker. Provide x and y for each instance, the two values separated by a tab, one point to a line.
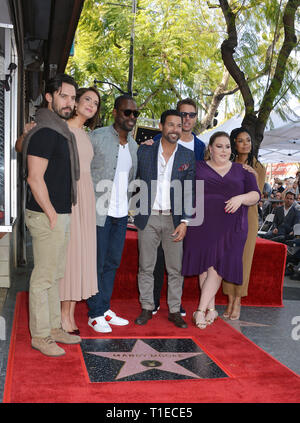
49	254
159	229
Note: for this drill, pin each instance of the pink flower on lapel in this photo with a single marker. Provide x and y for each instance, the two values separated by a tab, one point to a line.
183	167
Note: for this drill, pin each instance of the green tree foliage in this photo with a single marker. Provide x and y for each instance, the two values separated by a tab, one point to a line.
177	52
175	40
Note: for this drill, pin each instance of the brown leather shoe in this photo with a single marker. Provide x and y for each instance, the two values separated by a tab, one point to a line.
143	317
177	320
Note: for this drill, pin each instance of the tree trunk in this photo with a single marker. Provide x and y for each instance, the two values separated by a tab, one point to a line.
217	97
254	121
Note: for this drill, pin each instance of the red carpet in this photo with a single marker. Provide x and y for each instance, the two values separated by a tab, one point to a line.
254	376
265	285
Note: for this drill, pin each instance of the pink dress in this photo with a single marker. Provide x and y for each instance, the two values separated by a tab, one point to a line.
80	280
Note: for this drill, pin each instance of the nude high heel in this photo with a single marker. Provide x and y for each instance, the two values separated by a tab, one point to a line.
200	325
235	315
215	315
236	311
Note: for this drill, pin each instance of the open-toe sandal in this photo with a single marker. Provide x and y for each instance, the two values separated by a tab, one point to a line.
200	325
213	317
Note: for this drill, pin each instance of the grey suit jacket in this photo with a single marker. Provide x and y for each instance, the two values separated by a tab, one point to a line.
106	143
181	194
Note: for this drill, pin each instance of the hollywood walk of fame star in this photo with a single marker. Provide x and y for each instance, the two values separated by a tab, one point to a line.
238	324
143	358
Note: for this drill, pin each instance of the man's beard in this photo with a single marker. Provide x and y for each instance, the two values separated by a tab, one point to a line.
63	115
172	141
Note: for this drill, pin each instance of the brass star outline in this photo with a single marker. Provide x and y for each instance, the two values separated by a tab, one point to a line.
142	352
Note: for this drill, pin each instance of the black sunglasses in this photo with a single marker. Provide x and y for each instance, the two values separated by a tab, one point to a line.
128	112
191	114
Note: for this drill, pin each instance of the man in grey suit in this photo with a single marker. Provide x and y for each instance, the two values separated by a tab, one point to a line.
167	173
285	218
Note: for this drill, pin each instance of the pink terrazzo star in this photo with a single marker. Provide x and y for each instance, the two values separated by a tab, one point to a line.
143	358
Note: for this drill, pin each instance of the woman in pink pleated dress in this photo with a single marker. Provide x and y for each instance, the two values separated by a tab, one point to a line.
80	280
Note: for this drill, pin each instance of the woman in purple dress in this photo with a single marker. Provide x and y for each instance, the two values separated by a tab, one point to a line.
214	249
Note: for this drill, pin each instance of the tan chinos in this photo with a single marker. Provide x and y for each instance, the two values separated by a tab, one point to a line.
49	253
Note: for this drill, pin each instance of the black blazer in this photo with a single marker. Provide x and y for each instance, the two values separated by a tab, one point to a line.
285	224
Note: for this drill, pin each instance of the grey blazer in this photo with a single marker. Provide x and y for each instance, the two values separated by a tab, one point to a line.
106	143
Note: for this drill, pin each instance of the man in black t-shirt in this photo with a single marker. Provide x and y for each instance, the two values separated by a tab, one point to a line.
52	146
48	209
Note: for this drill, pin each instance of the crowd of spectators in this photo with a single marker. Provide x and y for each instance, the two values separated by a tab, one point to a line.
279	212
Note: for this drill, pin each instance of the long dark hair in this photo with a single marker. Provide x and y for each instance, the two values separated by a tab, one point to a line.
93	121
233	136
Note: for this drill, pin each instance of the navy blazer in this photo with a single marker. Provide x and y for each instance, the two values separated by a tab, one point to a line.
183	169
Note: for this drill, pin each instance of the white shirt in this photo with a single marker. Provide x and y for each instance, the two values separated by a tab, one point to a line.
164	171
118	205
187	144
287	210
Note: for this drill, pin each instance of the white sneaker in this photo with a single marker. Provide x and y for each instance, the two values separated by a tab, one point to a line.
155	310
99	324
113	319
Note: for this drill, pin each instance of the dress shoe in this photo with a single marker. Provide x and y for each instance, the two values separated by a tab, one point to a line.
143	317
177	320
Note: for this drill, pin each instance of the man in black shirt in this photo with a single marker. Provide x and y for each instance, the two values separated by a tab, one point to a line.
52	161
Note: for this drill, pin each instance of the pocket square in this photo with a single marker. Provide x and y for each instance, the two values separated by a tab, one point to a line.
183	167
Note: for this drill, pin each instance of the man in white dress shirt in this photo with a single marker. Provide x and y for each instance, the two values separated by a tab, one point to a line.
162	167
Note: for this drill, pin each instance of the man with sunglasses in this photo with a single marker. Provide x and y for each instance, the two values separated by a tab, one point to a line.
113	167
188	110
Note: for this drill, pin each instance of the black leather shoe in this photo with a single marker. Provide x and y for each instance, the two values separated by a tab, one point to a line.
177	320
143	317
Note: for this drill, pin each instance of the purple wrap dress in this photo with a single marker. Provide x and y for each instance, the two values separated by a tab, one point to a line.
220	240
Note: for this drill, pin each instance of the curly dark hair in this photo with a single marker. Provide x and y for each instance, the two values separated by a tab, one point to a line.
233	135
